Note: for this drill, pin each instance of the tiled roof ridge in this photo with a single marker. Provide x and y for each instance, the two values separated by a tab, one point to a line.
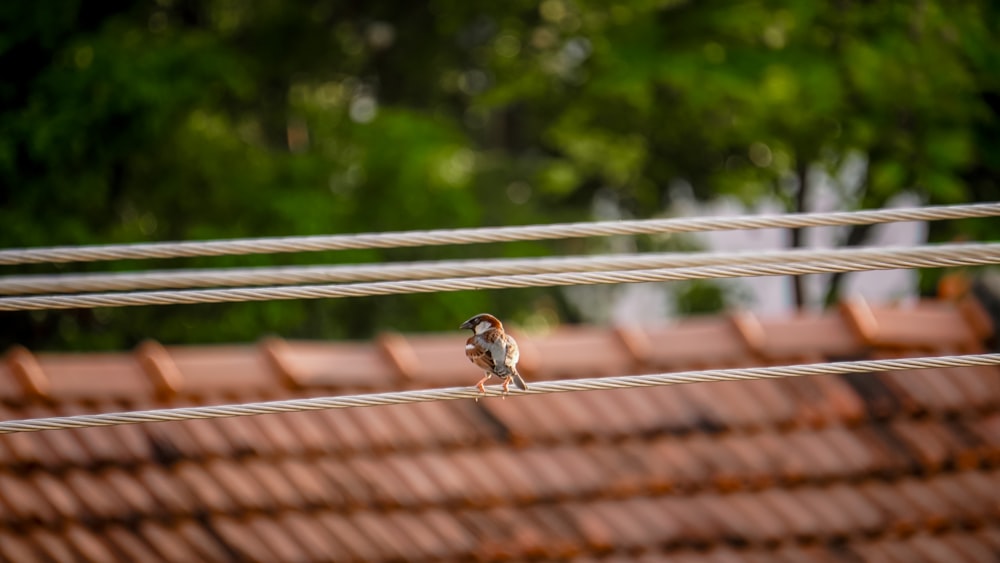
162	377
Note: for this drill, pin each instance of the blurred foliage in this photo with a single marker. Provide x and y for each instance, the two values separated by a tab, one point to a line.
134	121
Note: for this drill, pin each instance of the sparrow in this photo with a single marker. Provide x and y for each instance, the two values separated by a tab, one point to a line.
493	350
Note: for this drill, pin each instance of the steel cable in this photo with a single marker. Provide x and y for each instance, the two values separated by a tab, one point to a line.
452	393
234	277
485	234
919	257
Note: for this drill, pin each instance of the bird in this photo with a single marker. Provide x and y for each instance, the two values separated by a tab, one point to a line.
493	350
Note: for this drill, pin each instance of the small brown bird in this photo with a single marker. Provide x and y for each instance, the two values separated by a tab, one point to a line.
493	350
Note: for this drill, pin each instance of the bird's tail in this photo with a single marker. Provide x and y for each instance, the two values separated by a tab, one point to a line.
519	381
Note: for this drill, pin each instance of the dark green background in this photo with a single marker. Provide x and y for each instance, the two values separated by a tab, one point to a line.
185	120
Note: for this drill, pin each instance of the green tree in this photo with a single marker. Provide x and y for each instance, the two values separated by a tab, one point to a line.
181	120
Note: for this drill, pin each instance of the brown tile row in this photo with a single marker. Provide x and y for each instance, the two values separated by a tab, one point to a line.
169	482
745	425
277	367
979	546
805	516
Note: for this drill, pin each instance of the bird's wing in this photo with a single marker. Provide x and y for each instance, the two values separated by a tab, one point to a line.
511	353
479	355
498	351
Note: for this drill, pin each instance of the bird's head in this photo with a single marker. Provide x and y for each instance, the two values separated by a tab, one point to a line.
481	323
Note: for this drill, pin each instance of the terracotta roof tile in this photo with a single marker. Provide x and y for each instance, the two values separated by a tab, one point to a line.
190	439
241	482
416	482
445	482
98	498
352	365
848	448
642	412
128	545
170	492
59	495
578	351
170	545
208	370
311	537
787	506
901	515
926	325
980	386
203	540
343	484
730	522
309	482
430	360
10	389
865	516
15	548
136	497
27	449
53	449
560	533
835	396
90	546
382	482
696	343
23	500
833	522
203	487
279	541
970	548
931	442
553	472
341	533
240	537
675	413
55	547
100	376
450	529
628	522
983	484
420	540
808	337
132	443
770	525
510	477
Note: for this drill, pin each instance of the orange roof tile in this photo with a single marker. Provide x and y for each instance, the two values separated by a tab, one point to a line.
888	466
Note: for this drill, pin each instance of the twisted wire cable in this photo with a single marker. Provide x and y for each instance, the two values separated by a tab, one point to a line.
452	393
919	257
288	275
485	234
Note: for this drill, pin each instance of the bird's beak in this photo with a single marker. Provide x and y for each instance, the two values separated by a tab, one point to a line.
467	324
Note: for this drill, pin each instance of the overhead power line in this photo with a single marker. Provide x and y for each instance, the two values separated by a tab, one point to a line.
919	257
234	277
485	234
451	393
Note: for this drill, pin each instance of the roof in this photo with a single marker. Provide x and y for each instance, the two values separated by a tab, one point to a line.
901	466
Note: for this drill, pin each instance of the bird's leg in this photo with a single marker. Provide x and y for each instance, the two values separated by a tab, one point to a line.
479	385
506	384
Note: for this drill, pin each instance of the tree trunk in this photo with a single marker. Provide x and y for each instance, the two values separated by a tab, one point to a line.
802	173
